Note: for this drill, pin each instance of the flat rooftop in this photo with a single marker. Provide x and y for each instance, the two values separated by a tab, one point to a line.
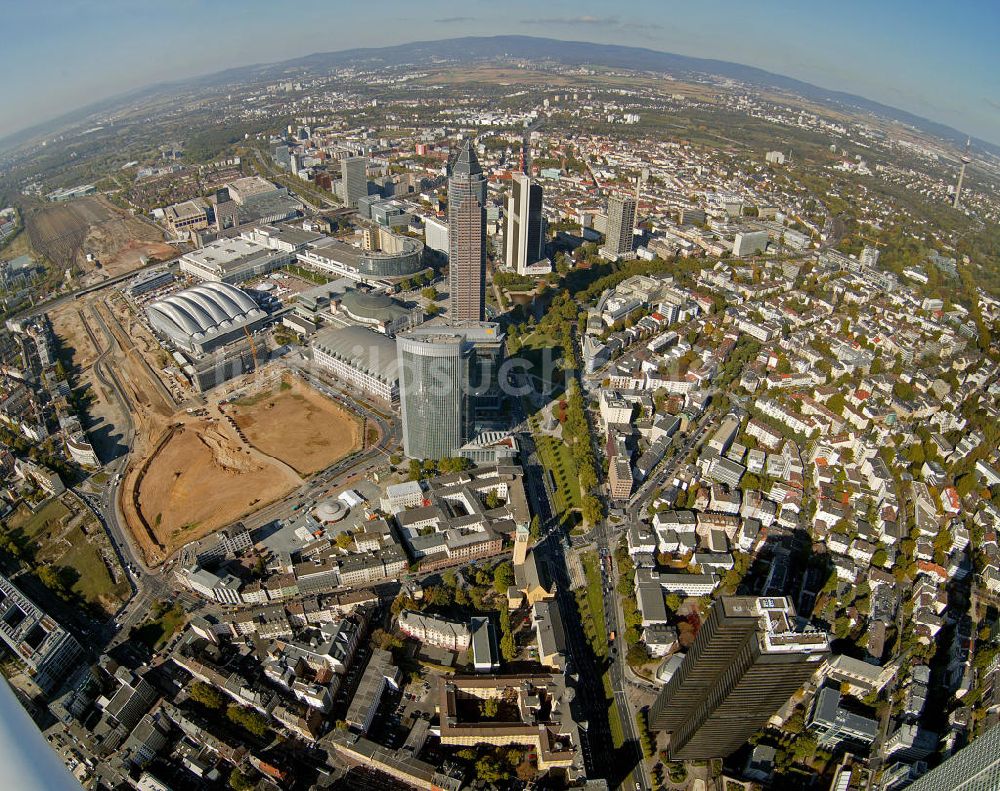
185	210
222	252
249	185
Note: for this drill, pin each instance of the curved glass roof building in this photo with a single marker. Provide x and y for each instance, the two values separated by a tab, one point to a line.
205	317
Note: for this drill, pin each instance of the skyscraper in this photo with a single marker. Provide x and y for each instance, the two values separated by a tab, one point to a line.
750	655
354	172
975	767
621	225
467	237
445	375
525	224
433	379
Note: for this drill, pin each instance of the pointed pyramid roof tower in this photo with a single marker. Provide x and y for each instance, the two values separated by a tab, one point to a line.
466	163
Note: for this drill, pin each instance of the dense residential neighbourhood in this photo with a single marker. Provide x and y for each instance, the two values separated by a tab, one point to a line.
421	432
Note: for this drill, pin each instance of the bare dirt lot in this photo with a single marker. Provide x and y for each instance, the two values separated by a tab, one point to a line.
200	477
133	255
150	398
65	232
104	419
298	426
73	337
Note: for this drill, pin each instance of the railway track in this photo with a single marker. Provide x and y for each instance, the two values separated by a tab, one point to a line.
130	349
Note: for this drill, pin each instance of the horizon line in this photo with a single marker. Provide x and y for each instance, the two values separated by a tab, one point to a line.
166	84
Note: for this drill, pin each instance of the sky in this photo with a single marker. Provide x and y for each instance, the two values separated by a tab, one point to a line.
939	60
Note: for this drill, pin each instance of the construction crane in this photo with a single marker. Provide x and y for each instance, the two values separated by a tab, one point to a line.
253	349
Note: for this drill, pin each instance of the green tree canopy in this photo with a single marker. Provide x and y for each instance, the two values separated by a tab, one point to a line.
206	695
503	577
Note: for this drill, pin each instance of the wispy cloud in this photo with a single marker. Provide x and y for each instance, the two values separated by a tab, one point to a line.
637	30
452	20
641	26
585	19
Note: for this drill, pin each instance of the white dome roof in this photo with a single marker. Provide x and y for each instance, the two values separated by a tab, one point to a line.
330	511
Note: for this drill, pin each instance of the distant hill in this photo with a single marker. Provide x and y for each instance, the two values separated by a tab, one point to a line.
579	53
573	53
77	116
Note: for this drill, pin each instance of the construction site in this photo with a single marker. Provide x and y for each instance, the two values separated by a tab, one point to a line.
93	239
196	461
179	394
199	476
314	432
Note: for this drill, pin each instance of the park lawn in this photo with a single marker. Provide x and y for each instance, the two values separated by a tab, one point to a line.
95	583
532	349
32	524
614	719
157	631
590	604
555	455
172	621
595	600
